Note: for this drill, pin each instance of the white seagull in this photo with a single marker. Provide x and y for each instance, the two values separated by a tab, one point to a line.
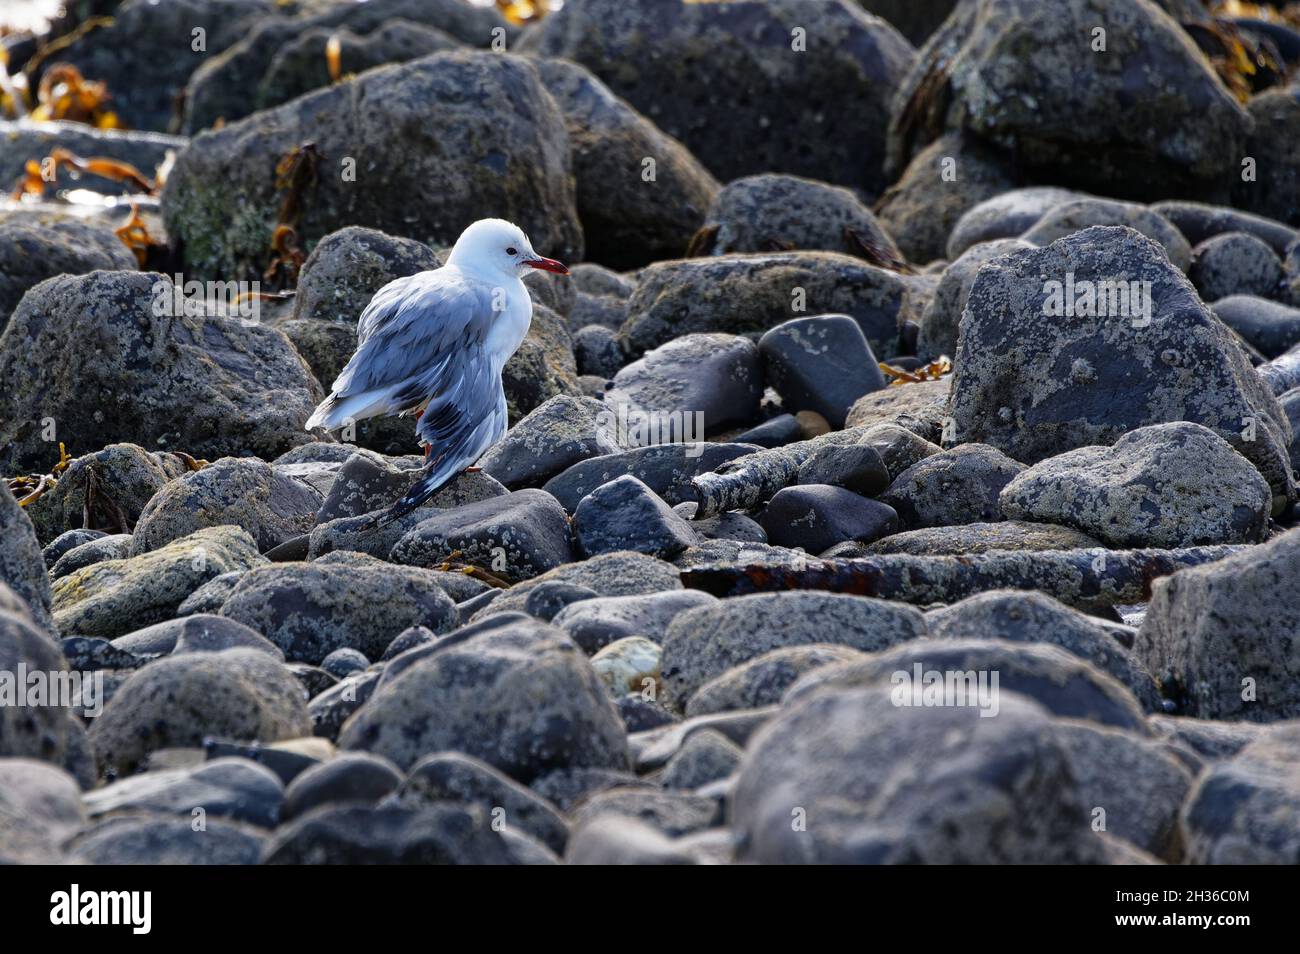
433	345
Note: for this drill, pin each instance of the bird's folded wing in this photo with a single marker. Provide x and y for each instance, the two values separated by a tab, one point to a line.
422	341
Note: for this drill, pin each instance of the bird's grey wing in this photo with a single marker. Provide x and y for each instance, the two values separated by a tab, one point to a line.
420	343
383	307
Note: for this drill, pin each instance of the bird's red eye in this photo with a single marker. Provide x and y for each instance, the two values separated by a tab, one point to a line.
512	251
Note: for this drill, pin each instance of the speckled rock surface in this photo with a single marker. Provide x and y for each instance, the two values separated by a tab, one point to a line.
957	486
1035	387
31	252
1168	485
1078	214
939	322
983	537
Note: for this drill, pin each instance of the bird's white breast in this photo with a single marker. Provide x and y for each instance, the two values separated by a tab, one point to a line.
510	325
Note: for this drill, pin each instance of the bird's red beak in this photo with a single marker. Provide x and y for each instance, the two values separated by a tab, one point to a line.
548	265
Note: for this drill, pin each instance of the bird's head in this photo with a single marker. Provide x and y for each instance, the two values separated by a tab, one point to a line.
497	247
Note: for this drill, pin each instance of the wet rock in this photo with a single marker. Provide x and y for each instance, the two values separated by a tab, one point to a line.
706	642
459	779
898	447
231	788
983	538
855	467
1234	263
926	203
115	597
937	335
214	386
1246	810
560	433
181	700
845	762
1225	634
735	294
625	514
821	364
310	610
1035	388
1030	617
243	492
517	536
774	432
22	568
348	778
159	839
706	382
627	219
517	694
1162	143
359	835
453	150
596	622
777	213
666	469
954	487
347	267
332	707
1060	681
777	104
1269	326
32	251
762	681
1066	218
1168	485
815	517
1006	215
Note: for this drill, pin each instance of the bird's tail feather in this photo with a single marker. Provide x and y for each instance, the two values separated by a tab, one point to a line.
432	479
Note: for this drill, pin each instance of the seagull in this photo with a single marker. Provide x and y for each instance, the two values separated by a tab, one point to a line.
433	345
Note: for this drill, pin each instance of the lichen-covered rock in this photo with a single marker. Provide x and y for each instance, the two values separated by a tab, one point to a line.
22	568
1225	634
347	267
1006	215
777	213
245	492
455	158
1030	617
1168	485
957	486
944	181
45	732
553	437
735	294
146	372
1066	218
762	88
514	537
32	251
239	694
115	597
875	782
705	642
147	838
310	610
1182	127
234	788
937	334
625	514
921	402
666	469
516	693
641	194
762	681
609	574
1034	383
982	538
